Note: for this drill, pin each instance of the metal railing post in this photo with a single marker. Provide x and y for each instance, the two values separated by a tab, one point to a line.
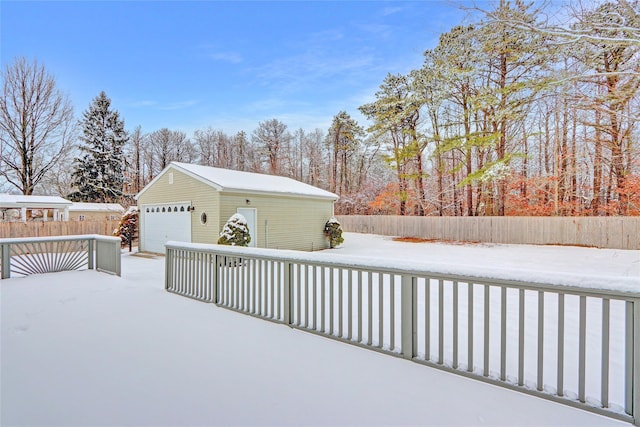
406	313
90	251
6	260
168	263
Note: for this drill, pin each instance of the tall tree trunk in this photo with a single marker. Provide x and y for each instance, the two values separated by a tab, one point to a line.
597	167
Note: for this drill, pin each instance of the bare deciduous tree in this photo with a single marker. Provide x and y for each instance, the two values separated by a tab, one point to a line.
36	124
272	135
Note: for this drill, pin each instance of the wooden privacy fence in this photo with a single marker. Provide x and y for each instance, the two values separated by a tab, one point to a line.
56	228
573	345
600	232
26	256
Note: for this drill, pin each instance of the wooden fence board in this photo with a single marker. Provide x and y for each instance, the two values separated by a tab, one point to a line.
601	232
56	228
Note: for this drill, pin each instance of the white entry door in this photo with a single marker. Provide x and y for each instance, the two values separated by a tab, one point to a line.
164	222
251	216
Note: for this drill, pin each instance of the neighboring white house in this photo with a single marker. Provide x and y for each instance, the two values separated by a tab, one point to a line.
191	203
21	208
95	211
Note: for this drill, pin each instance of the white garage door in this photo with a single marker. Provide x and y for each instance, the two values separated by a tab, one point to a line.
164	222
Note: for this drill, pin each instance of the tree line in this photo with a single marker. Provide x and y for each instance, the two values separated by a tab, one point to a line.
510	115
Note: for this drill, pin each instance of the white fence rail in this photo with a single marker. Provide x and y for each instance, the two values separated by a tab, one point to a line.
36	255
573	345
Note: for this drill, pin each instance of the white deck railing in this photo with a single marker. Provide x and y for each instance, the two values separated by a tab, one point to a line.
35	255
573	345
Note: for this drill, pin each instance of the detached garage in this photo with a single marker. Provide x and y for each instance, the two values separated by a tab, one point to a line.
191	203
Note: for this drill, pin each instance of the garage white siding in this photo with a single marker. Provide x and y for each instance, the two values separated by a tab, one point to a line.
164	222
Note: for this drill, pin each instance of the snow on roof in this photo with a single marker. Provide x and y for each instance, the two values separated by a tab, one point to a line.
20	200
232	180
97	207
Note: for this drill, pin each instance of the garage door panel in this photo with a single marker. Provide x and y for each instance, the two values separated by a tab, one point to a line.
164	222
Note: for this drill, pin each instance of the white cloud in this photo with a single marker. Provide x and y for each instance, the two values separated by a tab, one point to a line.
143	103
177	105
231	57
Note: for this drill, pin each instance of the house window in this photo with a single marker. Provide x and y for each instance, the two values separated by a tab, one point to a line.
81	217
170	177
203	218
113	217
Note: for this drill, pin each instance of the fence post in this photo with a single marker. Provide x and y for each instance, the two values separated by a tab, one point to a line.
90	250
286	293
406	304
168	263
6	260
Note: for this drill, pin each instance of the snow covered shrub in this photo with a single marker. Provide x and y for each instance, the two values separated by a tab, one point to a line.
128	227
333	230
235	232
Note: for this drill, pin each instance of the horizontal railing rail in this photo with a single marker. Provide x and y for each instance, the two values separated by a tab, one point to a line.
37	255
574	345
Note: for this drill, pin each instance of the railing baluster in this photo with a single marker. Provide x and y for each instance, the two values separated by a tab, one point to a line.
307	287
521	337
380	311
360	285
455	324
370	308
254	285
350	305
604	378
440	321
340	297
540	340
322	298
392	312
629	359
560	369
427	318
470	327
503	333
314	272
184	279
485	371
331	301
272	294
279	285
582	338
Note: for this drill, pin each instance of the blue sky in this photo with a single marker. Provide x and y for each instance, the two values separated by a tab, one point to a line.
226	65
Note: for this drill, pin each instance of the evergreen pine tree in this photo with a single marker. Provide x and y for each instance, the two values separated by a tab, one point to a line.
98	173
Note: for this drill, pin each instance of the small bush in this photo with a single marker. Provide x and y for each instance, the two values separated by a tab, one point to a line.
235	232
333	231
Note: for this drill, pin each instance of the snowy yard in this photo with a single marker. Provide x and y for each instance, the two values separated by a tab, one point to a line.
85	348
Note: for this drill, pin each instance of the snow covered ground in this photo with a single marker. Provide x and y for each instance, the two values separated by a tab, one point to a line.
86	348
